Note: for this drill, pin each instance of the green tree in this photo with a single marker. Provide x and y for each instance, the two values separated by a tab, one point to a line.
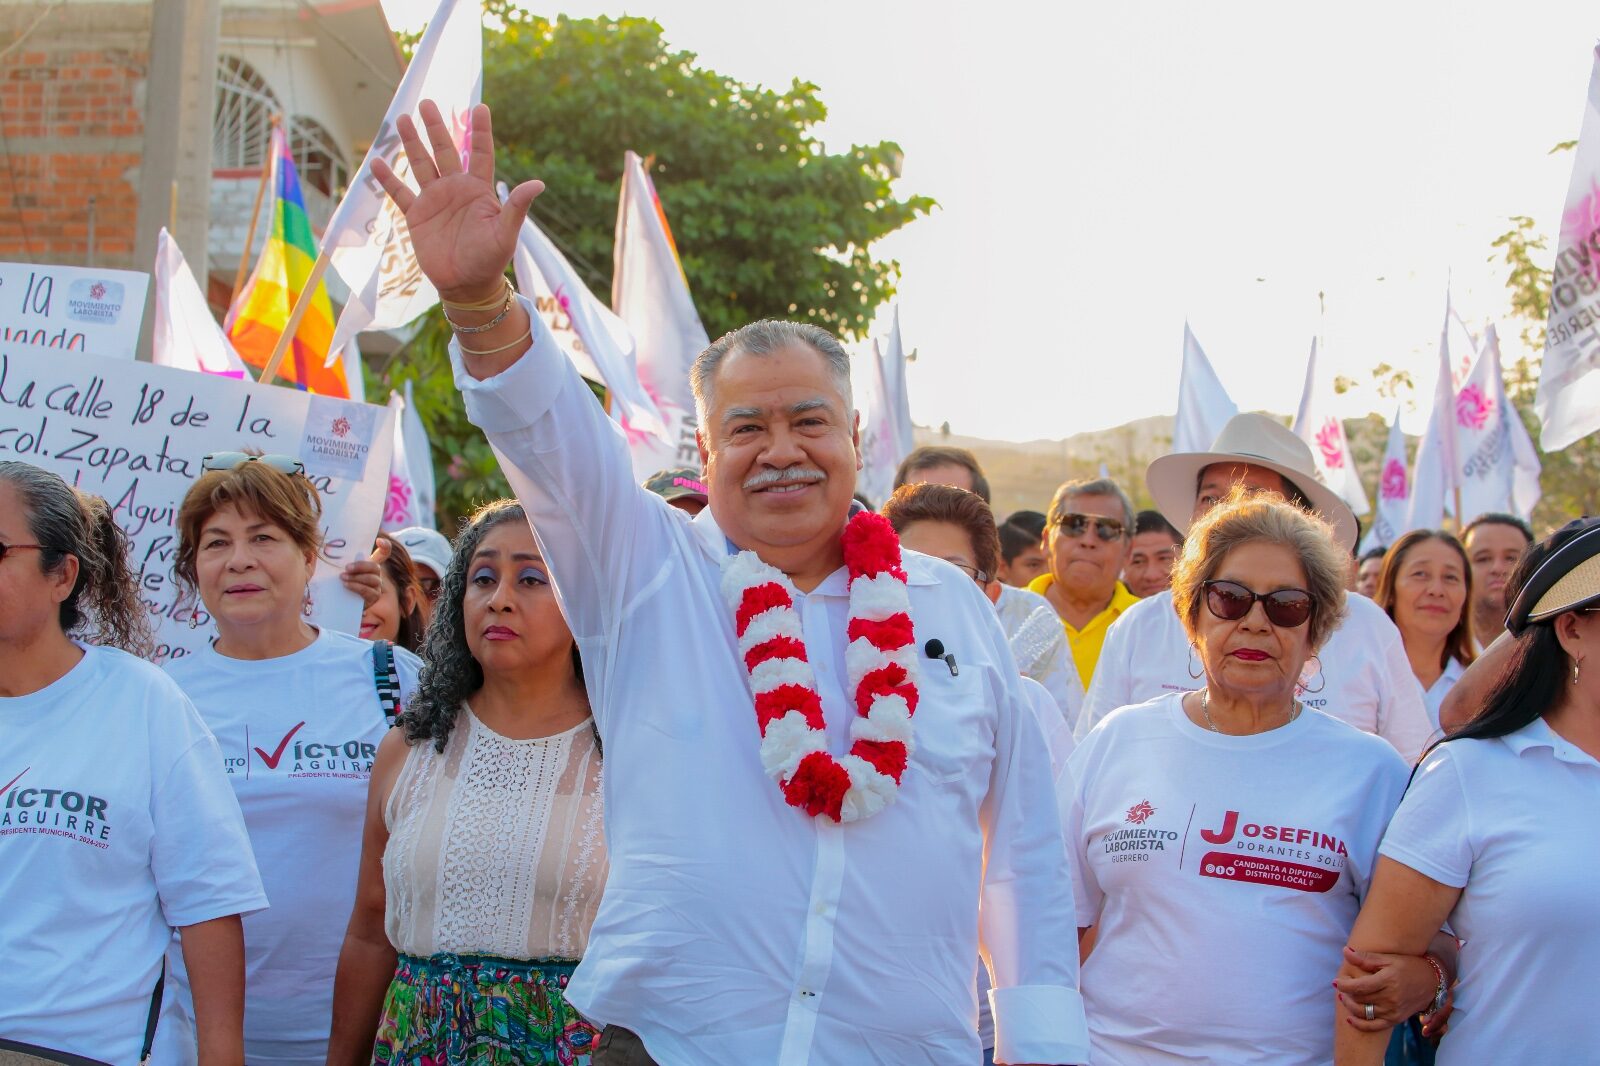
1571	477
767	222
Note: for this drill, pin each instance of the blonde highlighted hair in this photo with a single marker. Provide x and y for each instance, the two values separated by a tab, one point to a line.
1247	516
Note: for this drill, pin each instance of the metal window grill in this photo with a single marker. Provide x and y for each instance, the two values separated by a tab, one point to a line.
317	157
241	128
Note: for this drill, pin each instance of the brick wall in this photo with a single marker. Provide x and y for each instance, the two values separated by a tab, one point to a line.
71	128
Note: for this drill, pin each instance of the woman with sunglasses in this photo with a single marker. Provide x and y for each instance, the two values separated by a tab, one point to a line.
1224	838
1497	834
1425	586
117	825
484	855
299	715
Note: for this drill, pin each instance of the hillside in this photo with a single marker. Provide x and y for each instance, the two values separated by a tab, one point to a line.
1026	475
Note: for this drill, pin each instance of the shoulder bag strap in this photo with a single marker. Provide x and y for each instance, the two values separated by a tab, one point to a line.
385	678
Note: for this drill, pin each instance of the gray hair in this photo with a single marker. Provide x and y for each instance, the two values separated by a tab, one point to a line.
1100	486
763	338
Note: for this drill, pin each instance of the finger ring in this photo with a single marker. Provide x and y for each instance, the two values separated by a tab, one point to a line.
1372	1014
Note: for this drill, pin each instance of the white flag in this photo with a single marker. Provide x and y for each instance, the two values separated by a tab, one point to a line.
1204	406
1499	467
185	335
1316	424
367	235
1434	477
1568	400
419	460
1394	492
400	504
594	338
651	295
884	403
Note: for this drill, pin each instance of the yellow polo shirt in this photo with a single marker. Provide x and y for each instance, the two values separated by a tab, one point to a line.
1087	642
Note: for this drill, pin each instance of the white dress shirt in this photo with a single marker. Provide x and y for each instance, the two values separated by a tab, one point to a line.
1434	697
1364	677
734	929
1040	646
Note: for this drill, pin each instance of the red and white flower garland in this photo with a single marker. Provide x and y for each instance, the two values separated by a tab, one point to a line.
880	662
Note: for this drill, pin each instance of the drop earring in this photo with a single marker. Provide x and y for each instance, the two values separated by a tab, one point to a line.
306	608
1575	664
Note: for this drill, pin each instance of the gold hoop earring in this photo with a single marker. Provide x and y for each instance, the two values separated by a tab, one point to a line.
1194	675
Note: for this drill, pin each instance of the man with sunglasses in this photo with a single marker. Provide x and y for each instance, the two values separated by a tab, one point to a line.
1087	540
1361	675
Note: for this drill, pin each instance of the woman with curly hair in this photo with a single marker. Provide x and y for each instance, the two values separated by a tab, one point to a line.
483	859
299	711
117	825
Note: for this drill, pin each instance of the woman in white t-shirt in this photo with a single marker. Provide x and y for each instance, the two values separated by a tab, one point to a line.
1498	833
298	713
484	853
116	824
1223	838
1425	587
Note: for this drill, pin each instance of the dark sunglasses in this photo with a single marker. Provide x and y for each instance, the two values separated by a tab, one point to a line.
6	549
1231	601
283	464
1073	525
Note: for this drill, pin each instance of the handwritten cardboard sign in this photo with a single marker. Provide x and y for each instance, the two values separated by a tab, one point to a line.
136	433
77	309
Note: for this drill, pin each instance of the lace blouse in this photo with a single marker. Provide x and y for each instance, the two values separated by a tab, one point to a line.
495	845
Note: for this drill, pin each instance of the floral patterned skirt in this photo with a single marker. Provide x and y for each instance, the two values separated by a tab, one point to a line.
480	1010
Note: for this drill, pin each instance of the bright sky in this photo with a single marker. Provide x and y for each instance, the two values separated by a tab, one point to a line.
1106	171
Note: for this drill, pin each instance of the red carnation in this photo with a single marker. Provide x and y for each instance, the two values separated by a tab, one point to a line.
887	756
776	648
871	546
818	785
886	635
758	599
885	681
778	702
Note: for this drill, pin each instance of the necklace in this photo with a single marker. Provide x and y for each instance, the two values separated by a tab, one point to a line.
880	662
1205	709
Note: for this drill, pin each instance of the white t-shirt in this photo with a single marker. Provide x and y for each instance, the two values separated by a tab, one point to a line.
298	734
1365	678
116	826
1512	822
1433	699
1224	874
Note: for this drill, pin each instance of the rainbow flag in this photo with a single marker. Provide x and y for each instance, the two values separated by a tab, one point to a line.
256	320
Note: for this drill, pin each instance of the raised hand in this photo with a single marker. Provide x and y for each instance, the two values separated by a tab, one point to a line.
462	235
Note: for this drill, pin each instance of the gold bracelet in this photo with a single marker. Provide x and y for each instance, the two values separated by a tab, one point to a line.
492	351
488	305
487	326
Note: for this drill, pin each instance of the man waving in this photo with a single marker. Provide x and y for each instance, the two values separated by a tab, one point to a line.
824	792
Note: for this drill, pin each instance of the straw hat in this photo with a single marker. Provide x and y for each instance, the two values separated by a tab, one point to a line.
1568	578
1258	441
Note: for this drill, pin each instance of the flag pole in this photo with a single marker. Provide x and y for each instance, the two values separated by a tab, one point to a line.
302	304
255	216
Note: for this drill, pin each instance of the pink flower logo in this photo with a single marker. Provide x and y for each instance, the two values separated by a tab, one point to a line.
1393	485
1330	442
98	290
1474	407
397	506
340	426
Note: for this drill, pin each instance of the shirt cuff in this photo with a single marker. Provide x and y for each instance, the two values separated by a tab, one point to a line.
516	397
1039	1024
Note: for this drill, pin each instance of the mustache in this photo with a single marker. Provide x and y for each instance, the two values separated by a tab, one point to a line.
792	473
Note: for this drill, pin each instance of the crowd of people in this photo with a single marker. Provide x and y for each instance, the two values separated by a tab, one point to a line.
734	768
